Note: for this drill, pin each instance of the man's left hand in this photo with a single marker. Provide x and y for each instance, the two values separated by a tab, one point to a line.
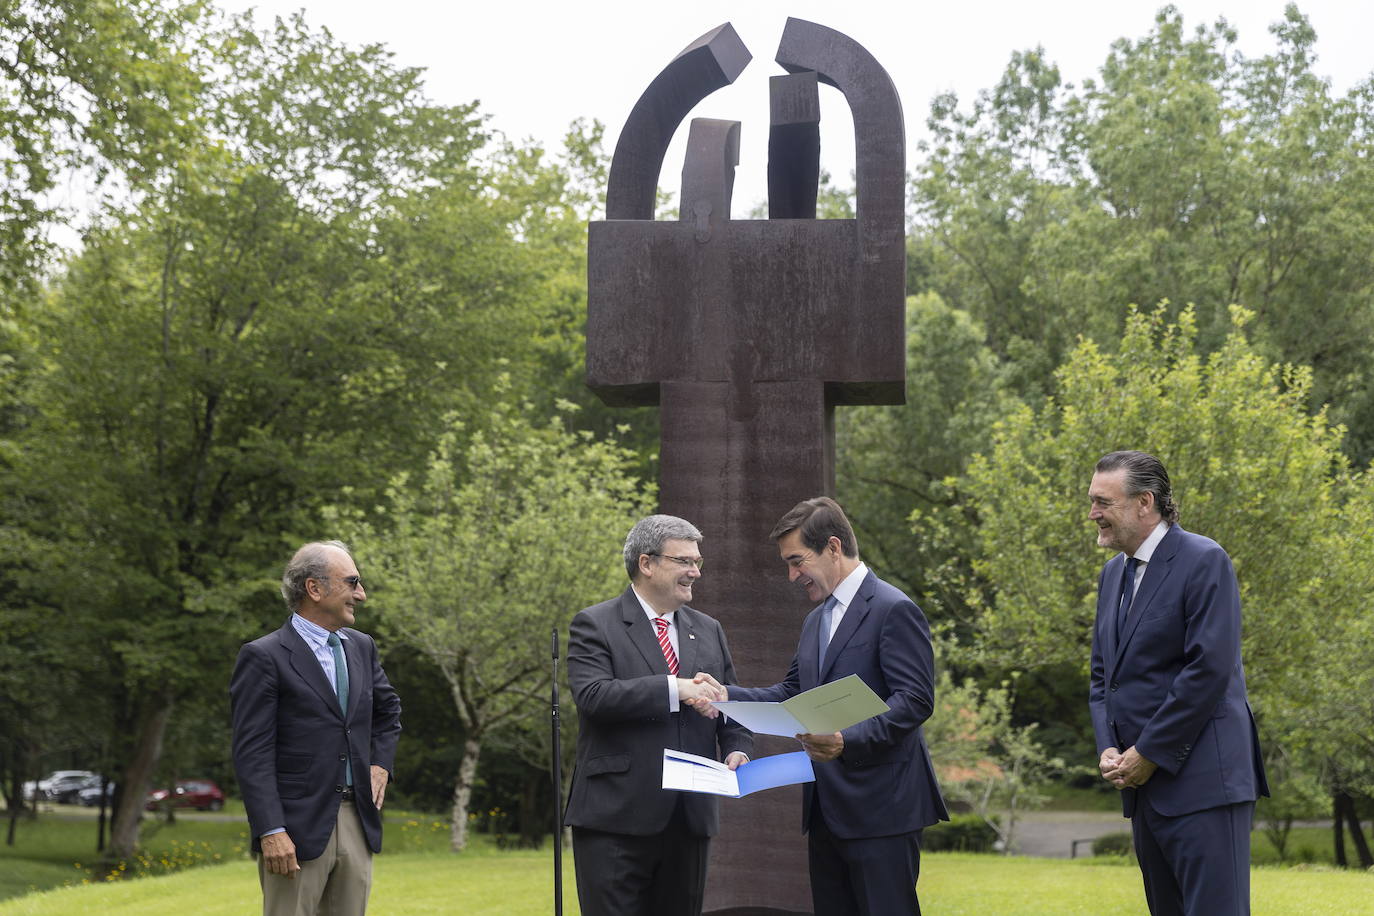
1132	770
380	777
736	759
822	747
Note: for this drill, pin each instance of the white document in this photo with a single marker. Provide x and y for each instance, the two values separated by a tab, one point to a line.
690	773
819	711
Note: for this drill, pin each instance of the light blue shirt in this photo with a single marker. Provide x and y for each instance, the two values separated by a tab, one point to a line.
317	638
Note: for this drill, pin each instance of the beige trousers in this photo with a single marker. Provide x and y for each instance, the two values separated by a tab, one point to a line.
335	884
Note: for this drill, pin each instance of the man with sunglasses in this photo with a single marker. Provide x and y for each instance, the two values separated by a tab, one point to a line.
315	729
637	848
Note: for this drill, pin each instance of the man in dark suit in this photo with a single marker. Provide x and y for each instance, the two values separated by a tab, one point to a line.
875	788
1174	729
640	850
315	729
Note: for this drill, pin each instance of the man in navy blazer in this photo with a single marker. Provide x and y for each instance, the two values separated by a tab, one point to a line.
313	768
1174	728
875	788
638	849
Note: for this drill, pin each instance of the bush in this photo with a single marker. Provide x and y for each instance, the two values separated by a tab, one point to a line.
962	833
1113	844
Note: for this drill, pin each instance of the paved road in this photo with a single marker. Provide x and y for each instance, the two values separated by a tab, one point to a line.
1050	834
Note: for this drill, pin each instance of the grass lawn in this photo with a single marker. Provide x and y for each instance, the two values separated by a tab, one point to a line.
417	875
517	883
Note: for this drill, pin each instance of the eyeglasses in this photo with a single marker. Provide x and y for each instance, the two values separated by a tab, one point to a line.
698	562
350	581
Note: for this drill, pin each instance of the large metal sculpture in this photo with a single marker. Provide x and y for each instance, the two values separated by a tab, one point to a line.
747	334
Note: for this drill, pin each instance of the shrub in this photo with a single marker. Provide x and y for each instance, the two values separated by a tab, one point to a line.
962	833
1113	844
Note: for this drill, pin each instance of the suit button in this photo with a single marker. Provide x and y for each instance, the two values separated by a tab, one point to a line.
343	757
1114	686
338	788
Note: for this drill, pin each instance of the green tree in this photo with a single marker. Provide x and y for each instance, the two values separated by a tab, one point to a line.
1251	467
984	759
477	562
1185	172
95	85
293	303
897	463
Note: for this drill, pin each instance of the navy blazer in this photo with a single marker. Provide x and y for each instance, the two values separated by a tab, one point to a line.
883	783
1172	685
290	737
619	681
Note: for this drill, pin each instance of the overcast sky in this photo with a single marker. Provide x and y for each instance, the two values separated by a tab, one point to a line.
536	65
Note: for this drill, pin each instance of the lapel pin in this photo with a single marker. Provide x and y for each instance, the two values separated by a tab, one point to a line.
691	636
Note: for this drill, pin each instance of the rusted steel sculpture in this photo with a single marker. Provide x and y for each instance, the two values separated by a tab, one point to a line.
747	334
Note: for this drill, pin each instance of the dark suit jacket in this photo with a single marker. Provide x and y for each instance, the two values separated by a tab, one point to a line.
1173	685
619	682
290	737
883	783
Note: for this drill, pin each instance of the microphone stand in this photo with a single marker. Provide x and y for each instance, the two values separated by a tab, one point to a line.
557	767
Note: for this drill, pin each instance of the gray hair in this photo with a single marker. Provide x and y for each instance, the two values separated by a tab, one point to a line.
648	535
1144	474
310	562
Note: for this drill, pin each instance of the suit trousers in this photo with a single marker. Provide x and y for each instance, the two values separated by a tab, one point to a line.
335	884
867	876
659	875
1195	864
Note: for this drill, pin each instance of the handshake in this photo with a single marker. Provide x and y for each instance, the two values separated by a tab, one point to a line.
699	692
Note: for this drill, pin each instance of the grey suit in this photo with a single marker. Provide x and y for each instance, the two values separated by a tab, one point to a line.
619	682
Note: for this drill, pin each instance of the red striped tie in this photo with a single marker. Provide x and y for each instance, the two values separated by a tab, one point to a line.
666	645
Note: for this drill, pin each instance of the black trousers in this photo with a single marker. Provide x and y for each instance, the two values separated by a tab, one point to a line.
1195	864
623	875
868	876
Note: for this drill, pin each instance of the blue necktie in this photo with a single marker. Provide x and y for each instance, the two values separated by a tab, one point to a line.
1127	587
341	687
827	610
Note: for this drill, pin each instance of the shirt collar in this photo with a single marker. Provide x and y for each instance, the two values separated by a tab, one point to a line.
650	611
313	633
845	591
1147	547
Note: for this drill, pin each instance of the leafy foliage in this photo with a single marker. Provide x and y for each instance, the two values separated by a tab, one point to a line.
1186	173
488	553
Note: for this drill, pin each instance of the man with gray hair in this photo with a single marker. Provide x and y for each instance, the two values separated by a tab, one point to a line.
637	848
315	729
1175	734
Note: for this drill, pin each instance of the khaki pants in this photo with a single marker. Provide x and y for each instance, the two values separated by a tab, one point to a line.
335	884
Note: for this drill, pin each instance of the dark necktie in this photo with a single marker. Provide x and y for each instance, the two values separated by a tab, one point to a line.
827	614
341	687
1127	587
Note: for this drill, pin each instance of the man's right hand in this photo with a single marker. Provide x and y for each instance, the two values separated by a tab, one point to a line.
279	855
699	692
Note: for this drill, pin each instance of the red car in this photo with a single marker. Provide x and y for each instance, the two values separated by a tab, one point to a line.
201	794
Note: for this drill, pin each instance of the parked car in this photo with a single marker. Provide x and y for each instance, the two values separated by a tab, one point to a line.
201	794
60	785
68	791
90	796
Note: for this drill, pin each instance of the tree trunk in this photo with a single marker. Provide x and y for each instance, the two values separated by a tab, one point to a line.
1352	818
129	807
462	790
1338	825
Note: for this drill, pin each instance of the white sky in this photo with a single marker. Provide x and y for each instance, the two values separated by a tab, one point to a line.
536	65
